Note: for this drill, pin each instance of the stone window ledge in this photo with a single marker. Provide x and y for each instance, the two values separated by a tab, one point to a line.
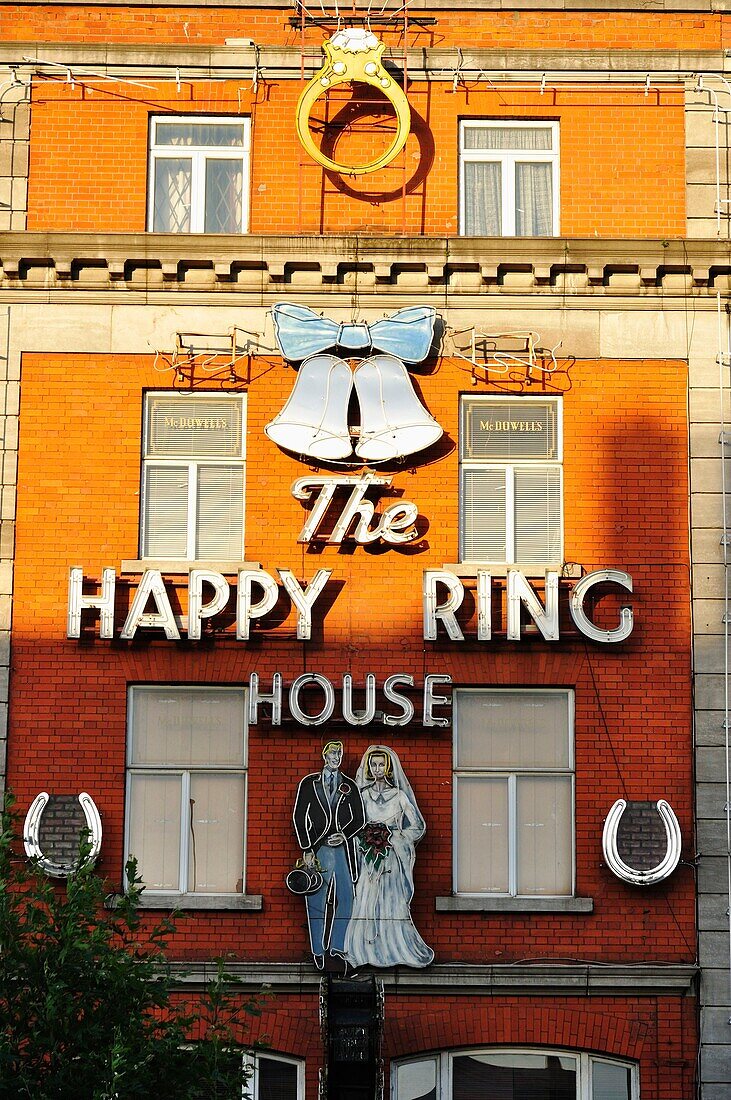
195	901
177	567
514	905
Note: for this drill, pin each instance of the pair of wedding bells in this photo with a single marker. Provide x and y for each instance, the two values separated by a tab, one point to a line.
314	421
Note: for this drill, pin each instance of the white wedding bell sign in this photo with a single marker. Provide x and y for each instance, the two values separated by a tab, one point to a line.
314	421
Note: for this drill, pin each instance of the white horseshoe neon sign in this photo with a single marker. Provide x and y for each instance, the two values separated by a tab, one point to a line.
622	870
31	832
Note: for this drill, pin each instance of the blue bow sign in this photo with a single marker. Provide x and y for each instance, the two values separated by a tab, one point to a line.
314	421
301	332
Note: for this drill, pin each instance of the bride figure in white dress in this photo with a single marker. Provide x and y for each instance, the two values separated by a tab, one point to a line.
381	931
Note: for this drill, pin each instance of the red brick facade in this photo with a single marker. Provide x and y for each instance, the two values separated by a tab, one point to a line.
625	490
87	148
625	497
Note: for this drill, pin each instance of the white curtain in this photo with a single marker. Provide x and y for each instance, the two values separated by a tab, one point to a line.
154	834
508	138
544	837
483	199
217	802
482	835
533	199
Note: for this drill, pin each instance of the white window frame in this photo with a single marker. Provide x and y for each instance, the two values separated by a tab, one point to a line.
251	1061
199	154
584	1090
508	159
512	775
185	775
191	465
509	468
250	1065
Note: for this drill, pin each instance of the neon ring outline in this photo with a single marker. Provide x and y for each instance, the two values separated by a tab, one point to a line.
667	864
31	833
341	67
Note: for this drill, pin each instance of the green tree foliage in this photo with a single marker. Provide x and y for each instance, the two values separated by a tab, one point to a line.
88	1004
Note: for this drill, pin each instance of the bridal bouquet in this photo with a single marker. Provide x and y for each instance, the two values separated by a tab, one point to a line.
375	843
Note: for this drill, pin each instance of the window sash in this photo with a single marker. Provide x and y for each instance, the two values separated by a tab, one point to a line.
169	726
499	445
233	129
495	794
255	1062
198	157
192	507
167	511
491	524
172	775
172	194
515	723
517	858
478	221
438	1068
258	1084
224	416
196	851
523	136
511	492
203	521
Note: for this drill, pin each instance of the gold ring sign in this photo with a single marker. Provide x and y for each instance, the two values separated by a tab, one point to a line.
353	54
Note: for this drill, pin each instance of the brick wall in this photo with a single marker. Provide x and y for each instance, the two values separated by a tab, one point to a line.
544	30
648	1031
622	175
625	506
621	158
658	1033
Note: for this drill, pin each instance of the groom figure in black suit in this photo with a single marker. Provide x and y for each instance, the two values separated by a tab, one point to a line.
328	814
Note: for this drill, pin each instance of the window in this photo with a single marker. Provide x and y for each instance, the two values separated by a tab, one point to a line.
266	1077
509	178
514	792
511	484
198	174
186	788
193	477
515	1075
276	1078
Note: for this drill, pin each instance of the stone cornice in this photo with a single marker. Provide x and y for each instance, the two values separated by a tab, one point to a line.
286	62
52	266
529	979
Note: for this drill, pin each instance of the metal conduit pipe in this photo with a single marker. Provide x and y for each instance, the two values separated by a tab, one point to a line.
724	363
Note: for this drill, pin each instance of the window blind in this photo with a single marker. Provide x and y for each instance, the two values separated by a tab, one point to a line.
194	427
537	514
484	515
165	512
220	512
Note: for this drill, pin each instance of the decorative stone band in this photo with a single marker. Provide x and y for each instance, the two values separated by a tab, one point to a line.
353	54
87	264
56	868
612	844
455	979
